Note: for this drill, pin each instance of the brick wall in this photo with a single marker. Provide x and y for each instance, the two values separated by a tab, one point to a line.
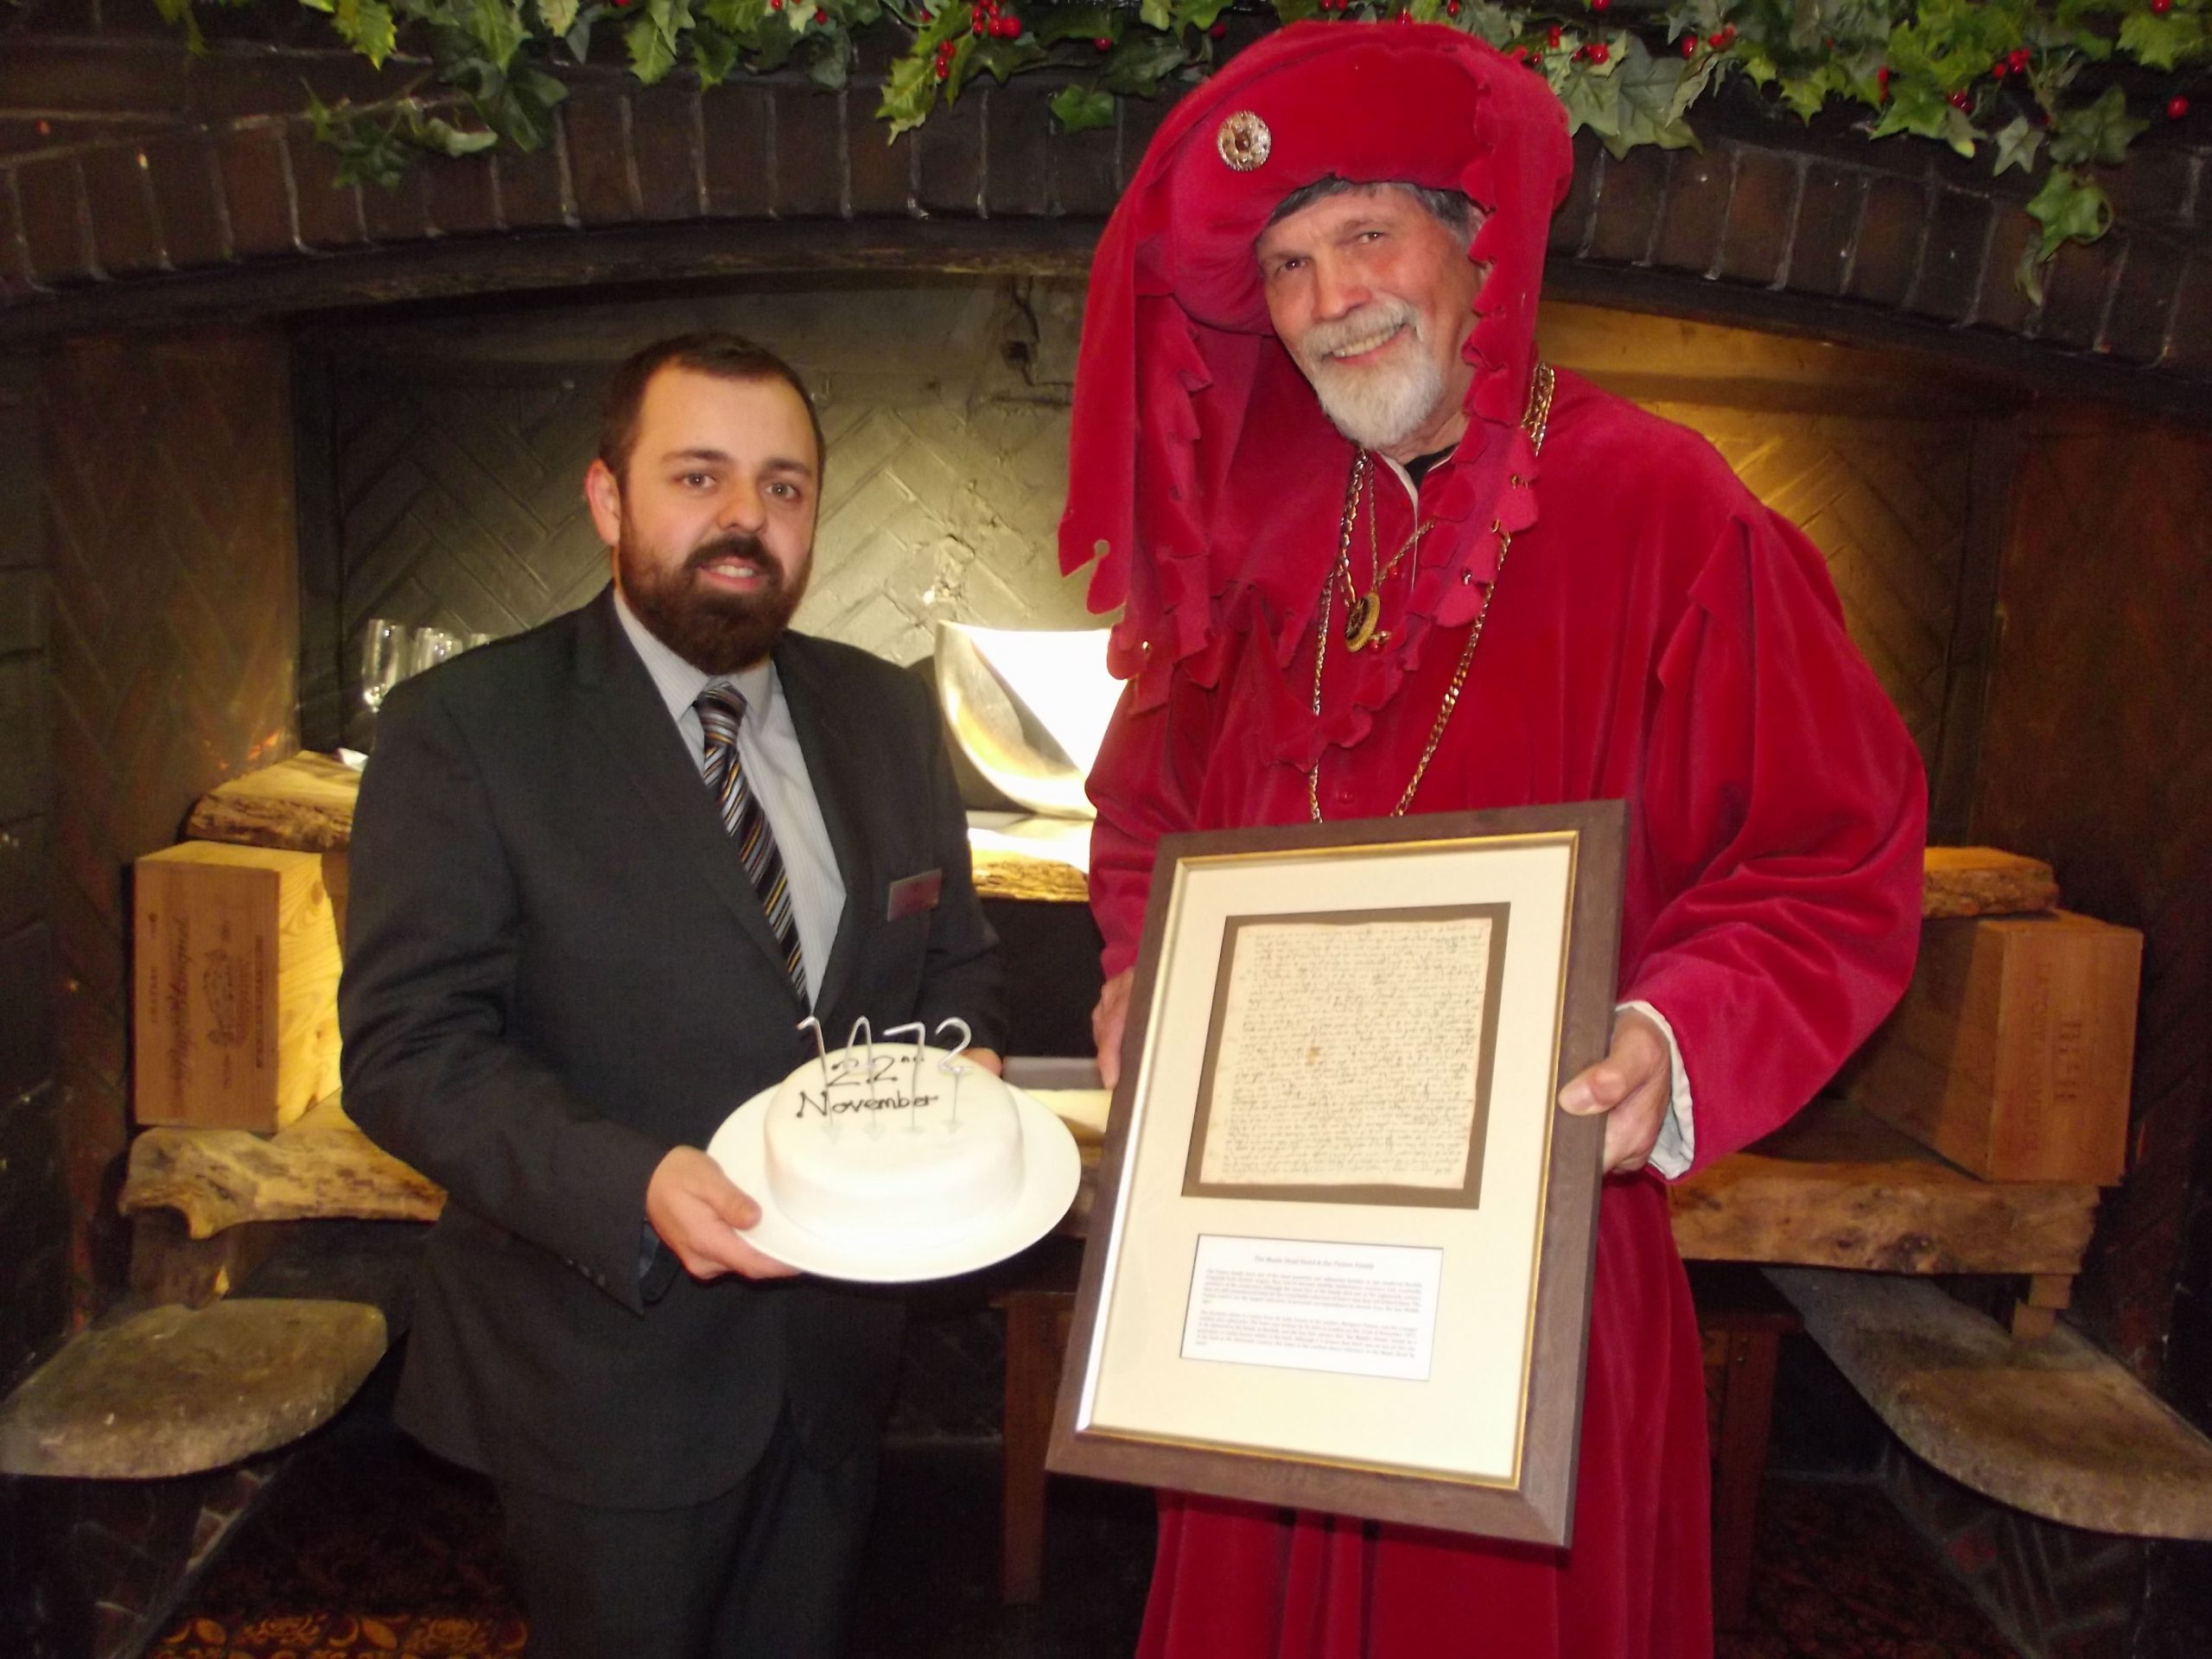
33	1200
134	181
460	448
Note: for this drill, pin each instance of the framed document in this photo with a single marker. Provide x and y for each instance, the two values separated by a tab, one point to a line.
1341	1250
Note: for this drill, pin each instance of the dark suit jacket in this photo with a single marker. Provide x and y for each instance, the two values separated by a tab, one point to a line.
556	969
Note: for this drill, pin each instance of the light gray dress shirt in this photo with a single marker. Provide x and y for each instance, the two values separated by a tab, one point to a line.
767	748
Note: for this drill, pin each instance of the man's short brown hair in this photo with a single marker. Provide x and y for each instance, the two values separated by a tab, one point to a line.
1453	209
713	351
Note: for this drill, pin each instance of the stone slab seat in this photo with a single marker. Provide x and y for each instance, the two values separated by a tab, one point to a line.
173	1390
2054	1426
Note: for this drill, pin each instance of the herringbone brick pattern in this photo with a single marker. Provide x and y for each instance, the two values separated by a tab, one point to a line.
460	501
1884	500
175	634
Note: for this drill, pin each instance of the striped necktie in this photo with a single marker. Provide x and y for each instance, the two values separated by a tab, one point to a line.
721	709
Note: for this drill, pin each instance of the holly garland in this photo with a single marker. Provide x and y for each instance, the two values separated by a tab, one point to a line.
2052	87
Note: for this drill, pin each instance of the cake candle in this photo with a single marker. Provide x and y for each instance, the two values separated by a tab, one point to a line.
820	1052
913	1071
951	1066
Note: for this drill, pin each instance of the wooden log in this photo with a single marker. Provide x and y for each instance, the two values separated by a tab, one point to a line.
168	1265
1836	1188
2053	1427
304	804
1983	882
2013	1051
234	986
1002	875
307	803
322	1165
173	1390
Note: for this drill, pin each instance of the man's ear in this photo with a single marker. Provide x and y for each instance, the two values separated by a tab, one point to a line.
603	495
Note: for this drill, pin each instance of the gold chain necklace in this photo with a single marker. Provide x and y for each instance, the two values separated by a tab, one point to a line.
1364	611
1533	424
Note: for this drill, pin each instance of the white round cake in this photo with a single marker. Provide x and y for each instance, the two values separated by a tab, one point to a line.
884	1143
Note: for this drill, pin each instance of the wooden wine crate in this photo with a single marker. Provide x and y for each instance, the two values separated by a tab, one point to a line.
2011	1051
234	987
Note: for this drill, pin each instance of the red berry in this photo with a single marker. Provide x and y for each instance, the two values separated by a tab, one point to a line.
924	18
1600	5
1960	100
2162	7
1405	17
1218	30
1728	34
943	69
2177	107
1451	7
1999	69
1552	34
1103	43
1598	52
2019	60
1689	45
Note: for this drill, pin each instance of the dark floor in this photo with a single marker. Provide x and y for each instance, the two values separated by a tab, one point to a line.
367	1546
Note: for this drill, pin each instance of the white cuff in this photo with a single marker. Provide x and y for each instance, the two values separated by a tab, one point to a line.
1676	1148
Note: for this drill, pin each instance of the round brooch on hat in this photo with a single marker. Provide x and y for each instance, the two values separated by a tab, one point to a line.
1244	140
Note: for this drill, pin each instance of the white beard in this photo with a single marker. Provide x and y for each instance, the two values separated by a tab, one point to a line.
1381	404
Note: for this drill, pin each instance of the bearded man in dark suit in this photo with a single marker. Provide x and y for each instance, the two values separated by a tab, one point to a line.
600	873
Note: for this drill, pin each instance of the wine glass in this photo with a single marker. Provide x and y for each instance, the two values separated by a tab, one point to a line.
385	651
433	647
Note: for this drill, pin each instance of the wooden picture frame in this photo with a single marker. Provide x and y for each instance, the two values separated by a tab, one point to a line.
1341	1250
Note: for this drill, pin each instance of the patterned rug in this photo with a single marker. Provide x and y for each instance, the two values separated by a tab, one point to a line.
366	1545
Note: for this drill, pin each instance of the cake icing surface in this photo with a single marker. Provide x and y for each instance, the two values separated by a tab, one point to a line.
883	1141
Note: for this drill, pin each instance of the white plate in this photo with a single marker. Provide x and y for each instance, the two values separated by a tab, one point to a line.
1051	1166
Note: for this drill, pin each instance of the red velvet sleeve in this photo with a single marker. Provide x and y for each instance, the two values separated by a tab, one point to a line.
1775	884
1145	784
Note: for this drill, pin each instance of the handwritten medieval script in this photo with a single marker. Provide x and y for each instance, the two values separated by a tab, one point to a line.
1348	1054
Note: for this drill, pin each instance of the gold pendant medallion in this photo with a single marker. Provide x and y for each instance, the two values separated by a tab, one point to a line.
1360	617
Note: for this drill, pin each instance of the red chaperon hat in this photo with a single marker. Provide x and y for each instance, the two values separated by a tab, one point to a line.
1175	339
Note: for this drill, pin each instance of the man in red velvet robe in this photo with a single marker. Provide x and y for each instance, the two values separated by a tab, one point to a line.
1319	467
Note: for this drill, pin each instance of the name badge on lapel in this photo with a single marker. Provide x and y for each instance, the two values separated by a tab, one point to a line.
912	894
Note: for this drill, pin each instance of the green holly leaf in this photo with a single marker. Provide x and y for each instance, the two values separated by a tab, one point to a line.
558	16
652	50
1158	14
2095	132
497	26
1916	107
1080	108
1804	94
1654	94
738	17
1059	23
2017	142
714	54
2070	207
366	26
1593	98
1002	58
521	109
1200	14
2163	41
829	56
1138	66
1492	23
910	90
1296	11
430	133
